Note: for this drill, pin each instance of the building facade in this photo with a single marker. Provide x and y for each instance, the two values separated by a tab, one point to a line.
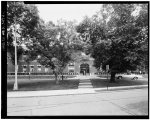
10	66
84	66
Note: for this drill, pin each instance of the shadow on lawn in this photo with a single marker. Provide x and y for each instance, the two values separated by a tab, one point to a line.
101	83
44	85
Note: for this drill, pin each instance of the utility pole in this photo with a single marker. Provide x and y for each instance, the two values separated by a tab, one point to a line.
107	69
16	66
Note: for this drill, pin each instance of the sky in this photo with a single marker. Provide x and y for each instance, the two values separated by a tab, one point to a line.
54	12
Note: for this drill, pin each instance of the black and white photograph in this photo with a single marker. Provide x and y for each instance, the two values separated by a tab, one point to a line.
75	58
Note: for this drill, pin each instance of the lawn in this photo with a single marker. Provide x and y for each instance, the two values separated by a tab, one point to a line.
101	83
145	75
44	85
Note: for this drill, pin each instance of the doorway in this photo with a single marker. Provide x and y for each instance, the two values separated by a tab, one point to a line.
84	69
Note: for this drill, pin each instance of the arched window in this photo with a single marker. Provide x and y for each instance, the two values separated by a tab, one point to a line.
39	68
31	68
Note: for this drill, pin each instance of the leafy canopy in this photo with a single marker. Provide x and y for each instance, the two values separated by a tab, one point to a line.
118	36
54	44
23	19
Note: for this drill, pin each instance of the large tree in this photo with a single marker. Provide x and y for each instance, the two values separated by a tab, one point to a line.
127	39
53	46
118	37
22	18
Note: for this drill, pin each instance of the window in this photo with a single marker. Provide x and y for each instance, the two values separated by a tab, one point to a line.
31	68
46	69
71	67
24	68
39	68
71	70
71	64
23	58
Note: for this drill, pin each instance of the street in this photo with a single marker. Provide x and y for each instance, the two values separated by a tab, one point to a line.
120	102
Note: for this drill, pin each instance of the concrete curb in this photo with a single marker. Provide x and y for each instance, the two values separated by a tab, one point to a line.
22	94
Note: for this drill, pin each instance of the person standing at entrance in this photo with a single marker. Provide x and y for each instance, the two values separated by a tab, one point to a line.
84	72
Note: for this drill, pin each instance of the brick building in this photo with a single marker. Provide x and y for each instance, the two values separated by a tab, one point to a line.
84	66
10	66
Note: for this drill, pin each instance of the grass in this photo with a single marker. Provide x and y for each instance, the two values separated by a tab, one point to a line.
145	75
101	83
44	85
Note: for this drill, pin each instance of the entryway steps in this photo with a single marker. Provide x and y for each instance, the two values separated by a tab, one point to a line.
85	80
85	87
85	83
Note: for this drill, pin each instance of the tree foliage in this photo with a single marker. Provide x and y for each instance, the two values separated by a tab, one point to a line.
118	35
22	18
128	35
54	45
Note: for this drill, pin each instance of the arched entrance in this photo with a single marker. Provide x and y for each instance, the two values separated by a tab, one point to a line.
84	69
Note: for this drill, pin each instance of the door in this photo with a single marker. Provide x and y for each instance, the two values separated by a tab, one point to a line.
84	69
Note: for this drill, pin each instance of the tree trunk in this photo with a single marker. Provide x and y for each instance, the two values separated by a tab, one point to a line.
62	76
29	69
56	78
112	78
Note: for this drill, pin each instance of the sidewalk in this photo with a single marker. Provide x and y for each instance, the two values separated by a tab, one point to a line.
69	92
48	93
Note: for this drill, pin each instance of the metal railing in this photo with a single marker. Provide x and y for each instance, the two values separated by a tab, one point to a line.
28	73
30	76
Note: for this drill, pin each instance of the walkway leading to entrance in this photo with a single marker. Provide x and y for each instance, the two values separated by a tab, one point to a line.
83	77
84	82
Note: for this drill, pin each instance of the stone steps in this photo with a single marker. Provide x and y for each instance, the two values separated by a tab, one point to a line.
85	83
85	87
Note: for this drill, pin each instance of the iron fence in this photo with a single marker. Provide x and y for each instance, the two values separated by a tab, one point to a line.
28	73
30	76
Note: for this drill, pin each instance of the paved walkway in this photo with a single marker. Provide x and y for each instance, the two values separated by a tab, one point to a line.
84	82
82	77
